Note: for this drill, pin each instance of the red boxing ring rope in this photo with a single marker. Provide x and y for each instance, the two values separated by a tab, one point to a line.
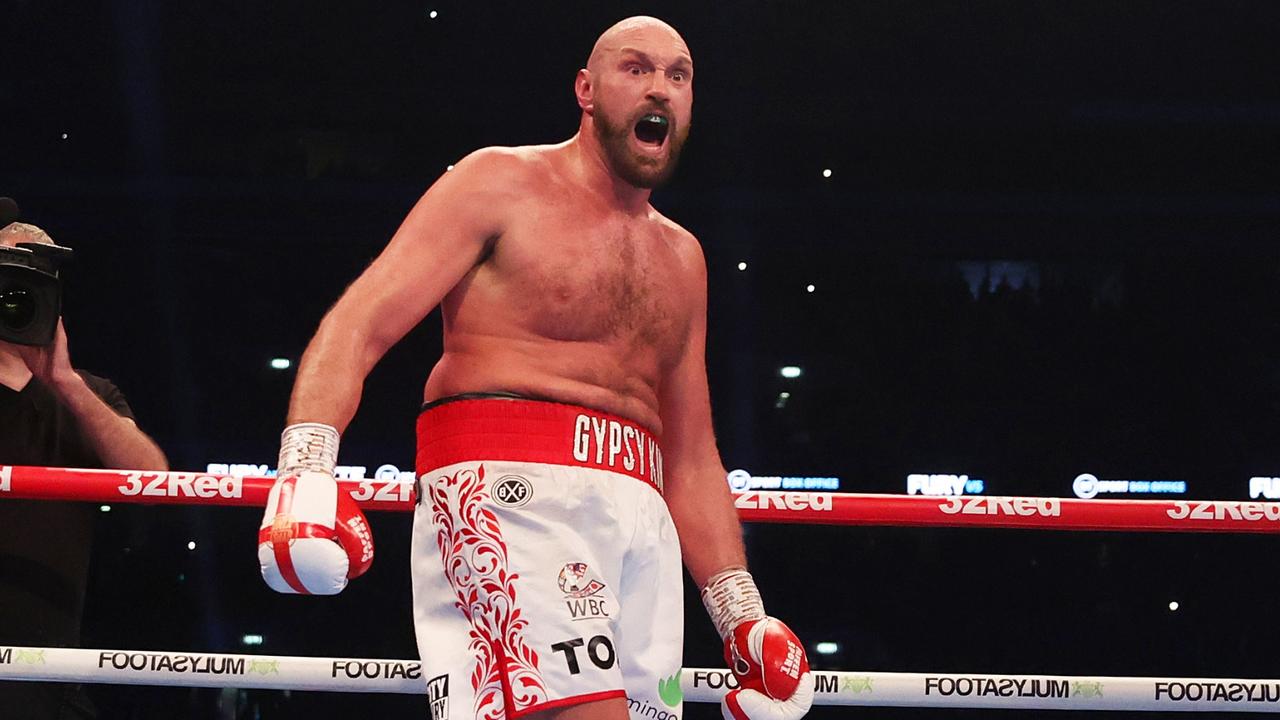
184	488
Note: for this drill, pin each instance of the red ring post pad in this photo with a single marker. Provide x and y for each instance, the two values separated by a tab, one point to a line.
178	488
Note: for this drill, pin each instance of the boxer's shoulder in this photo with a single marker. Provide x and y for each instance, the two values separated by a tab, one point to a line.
499	163
682	242
494	182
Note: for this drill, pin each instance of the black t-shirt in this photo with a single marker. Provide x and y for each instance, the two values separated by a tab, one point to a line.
44	546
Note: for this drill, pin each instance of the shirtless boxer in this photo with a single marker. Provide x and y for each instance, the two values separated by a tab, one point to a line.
567	431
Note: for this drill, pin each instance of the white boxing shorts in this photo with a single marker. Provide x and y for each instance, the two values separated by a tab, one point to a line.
546	568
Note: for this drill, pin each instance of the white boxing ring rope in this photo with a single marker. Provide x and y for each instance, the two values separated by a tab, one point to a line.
881	689
366	675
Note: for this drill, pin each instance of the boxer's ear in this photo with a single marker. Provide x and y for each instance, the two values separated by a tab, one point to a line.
585	91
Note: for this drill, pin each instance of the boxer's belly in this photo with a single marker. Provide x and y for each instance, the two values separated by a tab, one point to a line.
592	375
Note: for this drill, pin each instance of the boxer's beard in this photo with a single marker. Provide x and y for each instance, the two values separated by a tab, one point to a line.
638	170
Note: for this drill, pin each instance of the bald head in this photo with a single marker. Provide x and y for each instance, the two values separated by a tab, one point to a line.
14	233
636	95
639	28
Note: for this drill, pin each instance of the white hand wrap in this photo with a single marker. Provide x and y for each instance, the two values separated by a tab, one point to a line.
308	446
731	598
313	537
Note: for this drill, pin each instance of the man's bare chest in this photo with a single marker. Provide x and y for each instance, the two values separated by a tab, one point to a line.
609	282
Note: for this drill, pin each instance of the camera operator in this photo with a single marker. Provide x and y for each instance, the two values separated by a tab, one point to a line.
53	415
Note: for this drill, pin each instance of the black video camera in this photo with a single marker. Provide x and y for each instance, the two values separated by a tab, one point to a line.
30	292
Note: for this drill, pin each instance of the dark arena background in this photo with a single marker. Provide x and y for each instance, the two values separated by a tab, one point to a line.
1025	244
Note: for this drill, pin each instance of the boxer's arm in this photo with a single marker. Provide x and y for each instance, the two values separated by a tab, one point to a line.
695	488
441	239
765	656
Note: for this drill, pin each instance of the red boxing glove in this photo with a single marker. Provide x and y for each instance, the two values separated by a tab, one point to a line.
313	537
767	658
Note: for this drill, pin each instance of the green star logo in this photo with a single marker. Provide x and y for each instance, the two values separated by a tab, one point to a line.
29	657
264	667
669	690
1086	689
856	684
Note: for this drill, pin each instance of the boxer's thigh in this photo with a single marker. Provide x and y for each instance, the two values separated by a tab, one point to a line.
516	566
650	633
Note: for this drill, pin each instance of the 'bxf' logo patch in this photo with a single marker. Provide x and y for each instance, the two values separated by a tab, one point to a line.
512	491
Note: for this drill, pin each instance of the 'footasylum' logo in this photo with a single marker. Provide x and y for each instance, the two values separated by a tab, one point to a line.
1227	692
999	687
646	709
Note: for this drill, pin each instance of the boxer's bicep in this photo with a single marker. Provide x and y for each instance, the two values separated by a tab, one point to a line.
438	243
685	405
688	439
442	237
695	488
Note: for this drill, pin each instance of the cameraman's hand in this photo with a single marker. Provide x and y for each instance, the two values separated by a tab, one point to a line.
115	438
51	364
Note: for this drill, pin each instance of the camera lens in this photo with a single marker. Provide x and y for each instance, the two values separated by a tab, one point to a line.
17	308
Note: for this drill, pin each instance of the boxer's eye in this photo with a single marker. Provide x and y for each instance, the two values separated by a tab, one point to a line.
652	129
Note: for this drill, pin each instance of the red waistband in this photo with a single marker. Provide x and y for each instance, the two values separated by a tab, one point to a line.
538	431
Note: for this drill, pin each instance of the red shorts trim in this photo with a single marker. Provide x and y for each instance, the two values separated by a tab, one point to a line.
479	429
566	702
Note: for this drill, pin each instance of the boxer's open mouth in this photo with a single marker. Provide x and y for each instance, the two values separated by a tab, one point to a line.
652	129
